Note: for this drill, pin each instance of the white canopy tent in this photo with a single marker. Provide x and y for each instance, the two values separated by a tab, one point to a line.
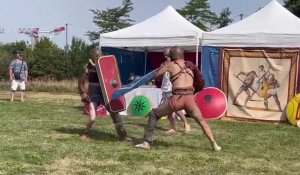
272	26
167	28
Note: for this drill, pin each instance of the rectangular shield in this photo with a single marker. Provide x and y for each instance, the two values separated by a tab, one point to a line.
109	79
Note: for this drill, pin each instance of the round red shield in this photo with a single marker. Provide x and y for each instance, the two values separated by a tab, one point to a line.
212	103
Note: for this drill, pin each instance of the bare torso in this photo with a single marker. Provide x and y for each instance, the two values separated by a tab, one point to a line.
184	79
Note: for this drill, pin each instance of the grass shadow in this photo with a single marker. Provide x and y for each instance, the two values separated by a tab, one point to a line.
143	125
94	134
78	108
5	99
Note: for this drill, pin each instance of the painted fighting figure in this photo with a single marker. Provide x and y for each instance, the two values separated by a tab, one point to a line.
258	80
182	76
246	86
271	85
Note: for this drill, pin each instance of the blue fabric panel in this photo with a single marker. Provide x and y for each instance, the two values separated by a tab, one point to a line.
211	66
128	61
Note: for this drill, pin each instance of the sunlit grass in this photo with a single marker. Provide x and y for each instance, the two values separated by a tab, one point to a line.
41	136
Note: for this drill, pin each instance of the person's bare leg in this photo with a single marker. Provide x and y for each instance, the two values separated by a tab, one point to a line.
187	127
171	118
12	95
91	121
207	131
205	127
22	95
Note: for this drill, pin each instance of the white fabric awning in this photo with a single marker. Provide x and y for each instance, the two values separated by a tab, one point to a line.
167	28
272	26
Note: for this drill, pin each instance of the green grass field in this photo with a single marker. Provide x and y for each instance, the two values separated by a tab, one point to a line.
41	136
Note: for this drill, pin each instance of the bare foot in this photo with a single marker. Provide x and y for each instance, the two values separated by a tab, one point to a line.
144	145
216	147
11	100
84	137
171	131
187	128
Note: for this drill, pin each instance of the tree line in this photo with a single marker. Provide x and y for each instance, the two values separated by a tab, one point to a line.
48	61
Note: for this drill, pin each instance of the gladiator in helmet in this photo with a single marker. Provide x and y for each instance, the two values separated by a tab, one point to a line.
177	53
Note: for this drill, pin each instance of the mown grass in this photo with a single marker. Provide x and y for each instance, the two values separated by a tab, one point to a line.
41	136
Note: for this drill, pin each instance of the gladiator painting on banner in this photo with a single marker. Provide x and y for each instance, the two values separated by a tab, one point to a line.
259	83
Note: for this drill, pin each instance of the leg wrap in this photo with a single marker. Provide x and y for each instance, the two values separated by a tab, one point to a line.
117	120
149	129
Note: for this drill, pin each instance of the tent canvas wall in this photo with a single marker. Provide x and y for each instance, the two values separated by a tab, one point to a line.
266	45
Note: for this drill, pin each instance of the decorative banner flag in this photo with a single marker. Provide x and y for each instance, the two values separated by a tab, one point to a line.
32	32
58	30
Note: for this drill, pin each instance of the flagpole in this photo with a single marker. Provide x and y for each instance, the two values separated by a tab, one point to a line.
67	45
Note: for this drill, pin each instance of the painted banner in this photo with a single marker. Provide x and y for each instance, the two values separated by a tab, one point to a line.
259	83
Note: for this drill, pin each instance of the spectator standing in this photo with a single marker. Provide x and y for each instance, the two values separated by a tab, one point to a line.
18	75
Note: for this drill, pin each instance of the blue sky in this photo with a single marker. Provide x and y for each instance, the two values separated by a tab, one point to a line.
50	14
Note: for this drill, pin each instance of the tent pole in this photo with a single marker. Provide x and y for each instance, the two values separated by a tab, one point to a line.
100	47
146	56
197	50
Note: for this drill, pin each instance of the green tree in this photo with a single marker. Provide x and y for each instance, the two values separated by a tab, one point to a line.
224	19
293	6
198	12
111	19
79	54
11	48
49	61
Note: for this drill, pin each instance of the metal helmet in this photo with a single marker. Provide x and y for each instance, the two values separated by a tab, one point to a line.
177	53
95	54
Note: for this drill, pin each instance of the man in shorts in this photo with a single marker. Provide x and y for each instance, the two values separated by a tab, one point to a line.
18	75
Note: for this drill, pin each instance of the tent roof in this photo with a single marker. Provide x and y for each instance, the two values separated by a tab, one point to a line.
167	28
272	26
